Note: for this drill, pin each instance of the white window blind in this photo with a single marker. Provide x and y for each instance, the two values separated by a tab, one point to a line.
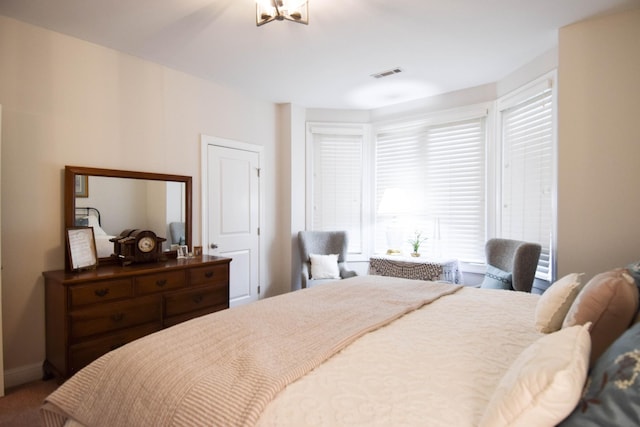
441	170
528	173
337	185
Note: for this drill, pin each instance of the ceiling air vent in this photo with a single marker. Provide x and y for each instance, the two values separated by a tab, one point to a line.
387	73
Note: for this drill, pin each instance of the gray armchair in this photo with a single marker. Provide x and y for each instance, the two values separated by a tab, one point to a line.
323	243
517	257
177	233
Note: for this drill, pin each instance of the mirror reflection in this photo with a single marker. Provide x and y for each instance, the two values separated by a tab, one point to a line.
111	205
112	201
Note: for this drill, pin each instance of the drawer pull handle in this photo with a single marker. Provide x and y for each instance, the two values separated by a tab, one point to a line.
117	317
208	274
102	292
197	299
161	283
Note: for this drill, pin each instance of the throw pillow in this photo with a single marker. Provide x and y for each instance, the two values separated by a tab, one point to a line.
324	266
612	392
544	383
555	302
634	270
610	301
494	278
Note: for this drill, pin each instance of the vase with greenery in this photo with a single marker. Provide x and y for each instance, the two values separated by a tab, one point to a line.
415	242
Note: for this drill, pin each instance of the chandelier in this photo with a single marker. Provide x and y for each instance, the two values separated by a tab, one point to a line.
279	10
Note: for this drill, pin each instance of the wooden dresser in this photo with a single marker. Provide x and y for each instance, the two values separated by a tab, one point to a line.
92	312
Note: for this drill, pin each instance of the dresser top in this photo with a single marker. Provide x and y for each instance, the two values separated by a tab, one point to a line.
116	270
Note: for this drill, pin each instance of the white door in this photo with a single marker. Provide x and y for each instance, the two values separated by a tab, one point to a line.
232	216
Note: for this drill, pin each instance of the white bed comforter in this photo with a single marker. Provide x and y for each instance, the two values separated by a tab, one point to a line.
437	366
222	369
104	247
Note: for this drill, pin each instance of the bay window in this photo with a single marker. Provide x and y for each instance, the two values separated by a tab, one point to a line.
458	178
440	169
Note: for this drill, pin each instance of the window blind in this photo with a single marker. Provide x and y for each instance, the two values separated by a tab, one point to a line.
337	185
441	169
527	175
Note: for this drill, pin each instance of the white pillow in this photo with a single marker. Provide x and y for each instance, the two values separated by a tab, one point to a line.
544	384
555	302
324	266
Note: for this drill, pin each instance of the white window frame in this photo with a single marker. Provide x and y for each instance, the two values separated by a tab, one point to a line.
468	112
533	88
350	129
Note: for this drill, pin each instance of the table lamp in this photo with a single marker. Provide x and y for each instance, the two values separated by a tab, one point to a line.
395	202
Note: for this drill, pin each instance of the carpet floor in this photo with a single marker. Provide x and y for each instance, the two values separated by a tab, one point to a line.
19	406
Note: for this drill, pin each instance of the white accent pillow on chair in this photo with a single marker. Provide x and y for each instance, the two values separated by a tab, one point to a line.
324	266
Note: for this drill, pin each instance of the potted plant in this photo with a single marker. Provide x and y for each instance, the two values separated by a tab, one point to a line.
416	242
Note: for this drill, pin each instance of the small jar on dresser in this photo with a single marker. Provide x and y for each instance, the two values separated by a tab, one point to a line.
92	312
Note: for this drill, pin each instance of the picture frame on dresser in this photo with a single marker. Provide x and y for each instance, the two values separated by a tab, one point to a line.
81	248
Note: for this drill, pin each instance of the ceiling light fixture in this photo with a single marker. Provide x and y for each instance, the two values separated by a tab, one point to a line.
279	10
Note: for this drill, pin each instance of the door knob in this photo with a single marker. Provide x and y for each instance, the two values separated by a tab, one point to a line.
214	246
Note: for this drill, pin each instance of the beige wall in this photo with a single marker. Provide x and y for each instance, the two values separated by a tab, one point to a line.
66	101
70	102
599	144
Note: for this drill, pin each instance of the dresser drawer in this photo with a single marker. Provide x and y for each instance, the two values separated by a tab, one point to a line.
114	316
106	290
80	355
159	282
89	313
195	299
212	274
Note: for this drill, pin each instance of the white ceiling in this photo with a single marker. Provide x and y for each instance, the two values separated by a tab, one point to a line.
441	45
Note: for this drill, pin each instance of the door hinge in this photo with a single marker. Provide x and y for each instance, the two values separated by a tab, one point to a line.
258	289
258	170
258	231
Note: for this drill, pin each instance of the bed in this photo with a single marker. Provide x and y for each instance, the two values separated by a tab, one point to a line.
369	350
90	217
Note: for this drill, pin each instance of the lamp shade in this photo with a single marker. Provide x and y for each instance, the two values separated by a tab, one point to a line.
395	201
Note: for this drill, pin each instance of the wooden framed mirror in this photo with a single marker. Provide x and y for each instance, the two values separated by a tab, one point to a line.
113	200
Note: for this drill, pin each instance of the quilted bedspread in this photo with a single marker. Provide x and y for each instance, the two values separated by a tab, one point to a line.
223	369
437	366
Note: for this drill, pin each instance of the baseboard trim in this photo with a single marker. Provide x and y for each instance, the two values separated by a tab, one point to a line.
22	375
